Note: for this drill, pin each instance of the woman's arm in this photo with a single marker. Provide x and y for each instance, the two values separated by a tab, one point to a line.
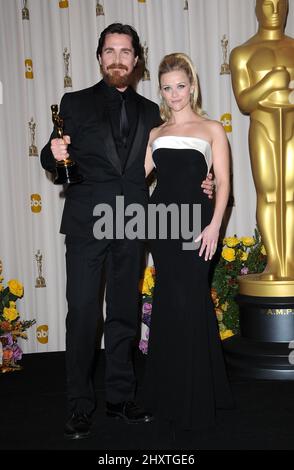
221	166
149	164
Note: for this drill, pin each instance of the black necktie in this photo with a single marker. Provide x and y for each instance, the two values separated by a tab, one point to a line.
123	122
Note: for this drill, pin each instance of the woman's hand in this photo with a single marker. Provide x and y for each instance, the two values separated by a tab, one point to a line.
208	185
209	237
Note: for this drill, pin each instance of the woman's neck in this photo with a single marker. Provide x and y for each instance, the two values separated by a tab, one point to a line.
182	117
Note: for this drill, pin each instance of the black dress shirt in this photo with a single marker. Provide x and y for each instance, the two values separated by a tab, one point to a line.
114	100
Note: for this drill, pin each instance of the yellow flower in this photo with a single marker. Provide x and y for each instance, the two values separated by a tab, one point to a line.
228	254
224	306
263	250
148	281
231	241
243	255
10	314
219	314
221	327
15	287
147	286
12	304
149	271
1	287
248	241
226	334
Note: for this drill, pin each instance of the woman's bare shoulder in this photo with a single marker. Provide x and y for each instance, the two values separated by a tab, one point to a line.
156	132
214	128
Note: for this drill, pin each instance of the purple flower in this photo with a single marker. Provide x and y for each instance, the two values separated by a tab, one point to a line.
146	318
147	307
17	352
8	342
244	270
143	346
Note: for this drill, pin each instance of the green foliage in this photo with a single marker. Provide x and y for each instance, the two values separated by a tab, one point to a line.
239	256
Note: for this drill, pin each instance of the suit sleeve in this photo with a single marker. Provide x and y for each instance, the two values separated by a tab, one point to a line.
47	158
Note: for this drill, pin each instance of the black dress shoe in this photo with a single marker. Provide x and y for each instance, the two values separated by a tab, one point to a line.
128	411
78	426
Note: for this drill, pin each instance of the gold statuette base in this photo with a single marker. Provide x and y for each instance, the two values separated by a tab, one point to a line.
67	172
254	285
40	282
225	69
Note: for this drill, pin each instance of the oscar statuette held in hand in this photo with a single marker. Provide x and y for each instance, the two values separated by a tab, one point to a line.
66	170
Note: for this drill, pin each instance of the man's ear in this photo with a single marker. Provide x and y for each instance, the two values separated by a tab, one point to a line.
135	62
99	60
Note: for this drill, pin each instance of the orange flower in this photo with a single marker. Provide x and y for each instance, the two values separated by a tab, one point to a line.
7	354
214	296
6	326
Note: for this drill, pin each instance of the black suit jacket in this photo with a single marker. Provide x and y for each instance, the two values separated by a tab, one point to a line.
94	150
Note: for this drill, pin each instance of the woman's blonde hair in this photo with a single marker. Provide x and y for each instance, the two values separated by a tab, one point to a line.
180	61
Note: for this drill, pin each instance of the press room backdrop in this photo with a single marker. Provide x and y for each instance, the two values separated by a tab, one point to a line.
48	47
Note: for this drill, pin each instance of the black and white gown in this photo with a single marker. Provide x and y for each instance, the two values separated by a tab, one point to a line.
185	380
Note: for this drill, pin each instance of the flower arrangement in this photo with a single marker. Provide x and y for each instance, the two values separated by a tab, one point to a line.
146	288
11	327
239	256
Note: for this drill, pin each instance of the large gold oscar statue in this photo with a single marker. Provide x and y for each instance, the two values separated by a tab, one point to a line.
262	69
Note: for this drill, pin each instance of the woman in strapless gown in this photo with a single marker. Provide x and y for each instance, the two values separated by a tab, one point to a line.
185	377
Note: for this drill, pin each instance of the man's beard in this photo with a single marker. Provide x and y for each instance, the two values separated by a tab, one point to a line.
115	79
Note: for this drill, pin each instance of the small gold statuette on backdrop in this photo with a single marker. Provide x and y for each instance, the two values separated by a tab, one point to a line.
146	75
67	78
225	67
99	9
66	170
33	151
40	281
25	11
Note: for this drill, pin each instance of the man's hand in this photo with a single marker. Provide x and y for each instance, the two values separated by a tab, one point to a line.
59	148
208	185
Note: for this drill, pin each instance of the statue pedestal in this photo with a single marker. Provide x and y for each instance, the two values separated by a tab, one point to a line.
263	349
256	285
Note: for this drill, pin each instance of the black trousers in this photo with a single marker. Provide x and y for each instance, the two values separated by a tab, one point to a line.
84	264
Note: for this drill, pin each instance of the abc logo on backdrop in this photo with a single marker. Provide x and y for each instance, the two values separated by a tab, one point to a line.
36	203
29	69
42	334
226	120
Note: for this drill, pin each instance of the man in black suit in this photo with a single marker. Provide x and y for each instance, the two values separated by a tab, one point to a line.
107	127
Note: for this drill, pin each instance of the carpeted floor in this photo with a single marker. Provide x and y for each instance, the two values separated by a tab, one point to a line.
33	412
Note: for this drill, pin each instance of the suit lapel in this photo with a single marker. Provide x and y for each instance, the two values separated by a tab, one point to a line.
103	119
110	146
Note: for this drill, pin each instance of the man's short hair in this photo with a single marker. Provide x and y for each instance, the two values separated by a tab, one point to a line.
120	28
